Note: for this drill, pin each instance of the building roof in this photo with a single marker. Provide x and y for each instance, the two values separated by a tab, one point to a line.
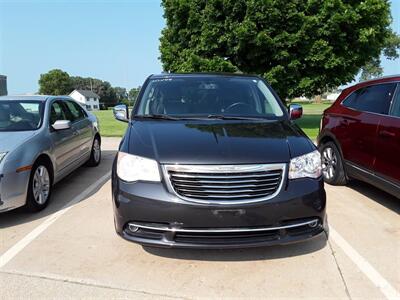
87	93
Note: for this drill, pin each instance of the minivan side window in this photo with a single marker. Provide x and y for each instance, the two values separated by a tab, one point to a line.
374	99
76	112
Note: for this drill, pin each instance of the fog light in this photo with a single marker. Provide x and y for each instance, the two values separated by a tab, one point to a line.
133	228
313	224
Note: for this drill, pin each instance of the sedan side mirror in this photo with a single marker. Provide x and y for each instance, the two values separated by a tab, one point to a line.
295	111
121	113
61	125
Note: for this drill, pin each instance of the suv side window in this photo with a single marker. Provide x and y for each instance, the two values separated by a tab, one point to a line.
375	98
396	104
57	112
75	111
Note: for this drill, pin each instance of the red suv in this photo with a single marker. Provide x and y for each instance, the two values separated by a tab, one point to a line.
360	135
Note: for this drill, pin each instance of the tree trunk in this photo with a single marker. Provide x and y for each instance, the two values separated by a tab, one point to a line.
318	99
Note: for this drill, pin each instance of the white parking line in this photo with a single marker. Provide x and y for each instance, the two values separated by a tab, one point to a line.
368	270
18	247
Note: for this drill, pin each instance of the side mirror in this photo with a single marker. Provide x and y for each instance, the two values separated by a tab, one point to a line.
61	125
295	111
121	113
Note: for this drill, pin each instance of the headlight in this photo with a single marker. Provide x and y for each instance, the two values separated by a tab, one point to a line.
132	168
2	154
308	165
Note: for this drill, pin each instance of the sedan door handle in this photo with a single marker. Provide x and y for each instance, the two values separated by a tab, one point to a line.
386	133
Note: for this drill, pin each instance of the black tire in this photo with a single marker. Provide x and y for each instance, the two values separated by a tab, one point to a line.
33	203
95	158
332	164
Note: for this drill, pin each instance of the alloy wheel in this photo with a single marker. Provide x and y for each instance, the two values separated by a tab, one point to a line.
41	185
96	150
329	163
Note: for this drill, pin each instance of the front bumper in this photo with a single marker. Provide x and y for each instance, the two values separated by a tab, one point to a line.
13	190
146	213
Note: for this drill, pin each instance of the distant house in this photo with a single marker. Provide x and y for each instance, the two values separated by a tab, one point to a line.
3	85
86	98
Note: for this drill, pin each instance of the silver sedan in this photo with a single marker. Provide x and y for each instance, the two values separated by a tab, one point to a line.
42	140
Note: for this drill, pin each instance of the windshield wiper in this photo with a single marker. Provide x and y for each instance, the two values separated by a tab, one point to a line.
156	116
222	117
210	116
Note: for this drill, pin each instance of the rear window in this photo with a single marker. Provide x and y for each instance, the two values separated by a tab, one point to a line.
374	99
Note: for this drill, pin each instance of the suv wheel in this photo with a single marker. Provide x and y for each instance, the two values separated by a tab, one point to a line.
332	164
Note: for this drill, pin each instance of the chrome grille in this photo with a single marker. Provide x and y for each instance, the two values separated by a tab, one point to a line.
226	184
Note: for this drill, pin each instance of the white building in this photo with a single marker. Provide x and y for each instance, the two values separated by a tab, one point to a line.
332	96
87	98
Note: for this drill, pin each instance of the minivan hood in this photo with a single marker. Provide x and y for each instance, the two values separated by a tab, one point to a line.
10	140
217	142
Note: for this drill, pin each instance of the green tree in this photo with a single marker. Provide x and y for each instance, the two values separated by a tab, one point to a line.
300	47
373	68
120	93
133	93
55	82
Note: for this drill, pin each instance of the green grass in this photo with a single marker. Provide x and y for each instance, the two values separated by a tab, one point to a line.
108	125
312	114
309	122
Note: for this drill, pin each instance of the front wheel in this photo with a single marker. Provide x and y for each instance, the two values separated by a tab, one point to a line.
95	155
332	164
39	190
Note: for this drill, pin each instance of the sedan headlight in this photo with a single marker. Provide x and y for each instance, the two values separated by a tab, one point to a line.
132	168
2	155
307	165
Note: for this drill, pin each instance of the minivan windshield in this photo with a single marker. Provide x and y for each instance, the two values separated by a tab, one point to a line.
18	115
210	97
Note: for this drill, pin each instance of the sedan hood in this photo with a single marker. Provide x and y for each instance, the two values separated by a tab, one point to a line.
217	142
12	140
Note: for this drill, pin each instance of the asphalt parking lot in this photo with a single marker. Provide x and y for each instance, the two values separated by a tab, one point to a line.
71	250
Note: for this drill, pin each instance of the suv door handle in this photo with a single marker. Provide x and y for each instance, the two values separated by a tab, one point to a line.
345	122
386	133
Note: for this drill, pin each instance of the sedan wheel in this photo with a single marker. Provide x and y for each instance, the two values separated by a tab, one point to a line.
96	151
41	185
39	191
95	155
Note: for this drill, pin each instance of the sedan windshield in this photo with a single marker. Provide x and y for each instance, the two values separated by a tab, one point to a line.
21	115
210	97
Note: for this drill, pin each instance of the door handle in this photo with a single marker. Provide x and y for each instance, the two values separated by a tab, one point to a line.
75	133
386	133
345	122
